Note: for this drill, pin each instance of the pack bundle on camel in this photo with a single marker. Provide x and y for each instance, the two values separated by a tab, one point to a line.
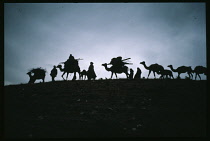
38	73
118	66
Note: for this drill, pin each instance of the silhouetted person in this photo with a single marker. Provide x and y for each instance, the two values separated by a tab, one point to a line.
138	74
91	73
71	57
70	61
53	73
131	74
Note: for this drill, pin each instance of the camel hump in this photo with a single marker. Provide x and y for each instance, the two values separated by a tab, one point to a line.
38	70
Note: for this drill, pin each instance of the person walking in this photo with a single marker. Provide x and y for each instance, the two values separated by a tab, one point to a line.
131	74
53	73
91	73
138	74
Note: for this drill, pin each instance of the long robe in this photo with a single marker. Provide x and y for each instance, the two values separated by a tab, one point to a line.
91	72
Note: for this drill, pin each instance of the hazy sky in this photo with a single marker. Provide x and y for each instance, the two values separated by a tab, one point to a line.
45	34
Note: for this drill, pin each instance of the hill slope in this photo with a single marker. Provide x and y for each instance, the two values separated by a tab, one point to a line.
106	108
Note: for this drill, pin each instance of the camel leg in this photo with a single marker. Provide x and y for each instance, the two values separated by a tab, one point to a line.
115	75
127	75
154	74
149	74
74	77
172	76
196	76
63	74
189	75
199	76
178	76
80	76
67	75
111	75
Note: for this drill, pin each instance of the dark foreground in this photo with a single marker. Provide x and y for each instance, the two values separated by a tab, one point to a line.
106	108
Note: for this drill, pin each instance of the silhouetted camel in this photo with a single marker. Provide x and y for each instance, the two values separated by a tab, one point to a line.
68	70
39	73
199	70
114	70
83	73
152	68
182	69
165	73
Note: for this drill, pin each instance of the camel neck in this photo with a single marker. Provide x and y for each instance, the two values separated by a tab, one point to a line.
172	69
108	69
61	69
145	66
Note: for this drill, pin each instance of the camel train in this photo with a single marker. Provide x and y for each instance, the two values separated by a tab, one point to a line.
118	67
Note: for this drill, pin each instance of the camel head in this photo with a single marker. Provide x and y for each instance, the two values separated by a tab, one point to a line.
169	66
105	64
29	73
59	66
143	62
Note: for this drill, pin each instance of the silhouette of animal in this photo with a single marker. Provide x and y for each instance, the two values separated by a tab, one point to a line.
182	69
199	70
39	73
83	73
68	70
115	70
166	73
152	68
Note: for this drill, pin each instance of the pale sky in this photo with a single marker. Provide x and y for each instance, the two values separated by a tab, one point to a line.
45	34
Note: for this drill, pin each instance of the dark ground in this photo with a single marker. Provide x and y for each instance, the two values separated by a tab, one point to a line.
106	108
